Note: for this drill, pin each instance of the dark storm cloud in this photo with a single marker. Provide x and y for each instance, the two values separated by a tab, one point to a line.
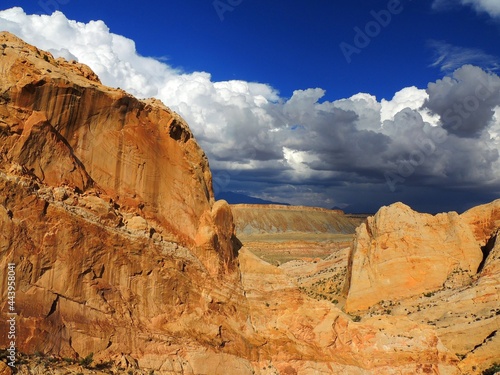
465	101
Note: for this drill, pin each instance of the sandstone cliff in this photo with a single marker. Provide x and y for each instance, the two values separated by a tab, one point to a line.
65	128
107	210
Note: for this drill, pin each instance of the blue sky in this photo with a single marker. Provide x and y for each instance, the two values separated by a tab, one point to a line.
314	130
290	44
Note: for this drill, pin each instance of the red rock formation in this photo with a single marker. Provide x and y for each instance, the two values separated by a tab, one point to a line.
107	209
399	253
4	369
66	128
484	220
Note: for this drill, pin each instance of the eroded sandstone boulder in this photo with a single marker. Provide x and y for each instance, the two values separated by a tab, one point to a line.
399	253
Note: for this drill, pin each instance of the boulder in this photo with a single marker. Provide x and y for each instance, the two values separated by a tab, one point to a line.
399	253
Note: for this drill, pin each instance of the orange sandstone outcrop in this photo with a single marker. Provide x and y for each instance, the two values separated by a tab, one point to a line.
484	220
4	369
107	210
399	253
64	127
307	336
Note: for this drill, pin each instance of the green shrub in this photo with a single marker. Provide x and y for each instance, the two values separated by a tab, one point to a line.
104	365
492	370
87	361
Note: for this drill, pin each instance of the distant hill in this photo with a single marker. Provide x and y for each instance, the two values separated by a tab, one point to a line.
237	198
251	219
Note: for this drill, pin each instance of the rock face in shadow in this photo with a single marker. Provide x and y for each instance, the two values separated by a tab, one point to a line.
107	212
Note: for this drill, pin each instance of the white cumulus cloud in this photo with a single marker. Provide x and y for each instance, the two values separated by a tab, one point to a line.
301	149
491	7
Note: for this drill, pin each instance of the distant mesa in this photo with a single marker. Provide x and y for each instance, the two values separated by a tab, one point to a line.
238	198
251	220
